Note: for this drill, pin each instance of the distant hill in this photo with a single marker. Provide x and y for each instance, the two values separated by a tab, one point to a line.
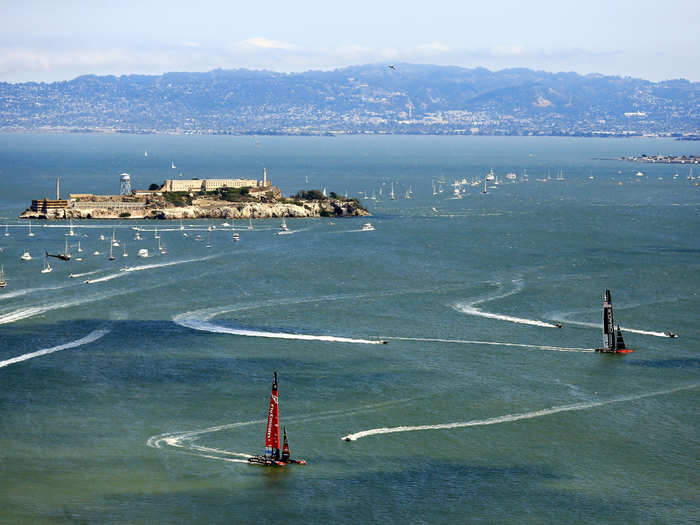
359	99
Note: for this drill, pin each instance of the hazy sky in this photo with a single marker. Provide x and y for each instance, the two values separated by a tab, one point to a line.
61	39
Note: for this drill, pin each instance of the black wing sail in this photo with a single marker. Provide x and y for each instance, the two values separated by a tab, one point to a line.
620	342
608	325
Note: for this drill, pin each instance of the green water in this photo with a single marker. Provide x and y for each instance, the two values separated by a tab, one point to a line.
156	381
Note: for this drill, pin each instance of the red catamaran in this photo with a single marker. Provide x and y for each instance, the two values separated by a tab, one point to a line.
274	455
613	343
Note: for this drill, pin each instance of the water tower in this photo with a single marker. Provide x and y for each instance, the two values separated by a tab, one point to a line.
125	184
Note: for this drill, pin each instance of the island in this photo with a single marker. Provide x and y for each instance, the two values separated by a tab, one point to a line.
196	199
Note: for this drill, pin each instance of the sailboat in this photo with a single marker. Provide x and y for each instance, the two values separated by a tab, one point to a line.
111	257
155	233
3	282
115	243
613	343
7	232
161	249
31	234
124	252
393	197
250	223
274	455
47	266
71	233
172	164
283	226
79	248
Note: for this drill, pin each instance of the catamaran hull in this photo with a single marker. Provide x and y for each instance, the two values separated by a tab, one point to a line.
610	351
265	461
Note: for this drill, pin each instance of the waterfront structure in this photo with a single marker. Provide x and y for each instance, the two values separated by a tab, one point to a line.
125	184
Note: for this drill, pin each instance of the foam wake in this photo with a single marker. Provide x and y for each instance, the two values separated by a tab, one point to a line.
470	308
206	326
512	417
623	328
90	338
185	441
493	343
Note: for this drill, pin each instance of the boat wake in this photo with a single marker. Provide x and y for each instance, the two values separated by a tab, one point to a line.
200	320
623	328
185	441
143	267
494	343
470	308
206	326
86	273
89	338
512	417
19	293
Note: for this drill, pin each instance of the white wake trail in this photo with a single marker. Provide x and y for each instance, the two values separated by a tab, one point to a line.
206	326
470	308
90	338
623	328
494	343
512	417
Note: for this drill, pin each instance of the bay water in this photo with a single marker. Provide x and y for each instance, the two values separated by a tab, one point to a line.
136	397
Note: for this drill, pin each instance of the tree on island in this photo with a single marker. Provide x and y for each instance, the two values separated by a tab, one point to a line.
154	186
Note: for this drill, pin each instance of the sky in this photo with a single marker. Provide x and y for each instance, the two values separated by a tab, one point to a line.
61	39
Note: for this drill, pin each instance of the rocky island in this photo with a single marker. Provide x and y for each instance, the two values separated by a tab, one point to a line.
196	199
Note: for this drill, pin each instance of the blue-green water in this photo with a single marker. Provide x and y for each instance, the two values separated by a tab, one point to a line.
155	381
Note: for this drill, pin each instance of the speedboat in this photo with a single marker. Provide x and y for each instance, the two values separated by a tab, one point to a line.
26	256
367	227
143	252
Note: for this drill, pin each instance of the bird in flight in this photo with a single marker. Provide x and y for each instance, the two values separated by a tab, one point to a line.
392	67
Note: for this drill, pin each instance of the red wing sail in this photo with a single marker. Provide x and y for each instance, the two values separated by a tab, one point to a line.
272	435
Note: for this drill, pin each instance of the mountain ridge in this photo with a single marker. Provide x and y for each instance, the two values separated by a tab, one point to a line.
357	99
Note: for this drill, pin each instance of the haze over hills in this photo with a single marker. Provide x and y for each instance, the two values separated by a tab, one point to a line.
360	99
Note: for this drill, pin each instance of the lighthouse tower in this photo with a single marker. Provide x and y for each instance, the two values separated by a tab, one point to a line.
125	184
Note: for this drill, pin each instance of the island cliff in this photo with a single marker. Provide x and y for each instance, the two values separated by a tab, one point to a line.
258	202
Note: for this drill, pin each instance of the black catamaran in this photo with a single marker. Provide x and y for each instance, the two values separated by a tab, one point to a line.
274	455
613	343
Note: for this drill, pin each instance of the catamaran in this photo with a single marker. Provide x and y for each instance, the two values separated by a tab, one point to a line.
65	256
274	456
613	343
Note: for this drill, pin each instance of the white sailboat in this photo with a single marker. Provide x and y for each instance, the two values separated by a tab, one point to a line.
250	223
172	164
393	197
31	234
115	243
111	257
71	233
124	252
283	226
47	266
7	231
79	248
182	227
208	245
161	249
3	282
155	234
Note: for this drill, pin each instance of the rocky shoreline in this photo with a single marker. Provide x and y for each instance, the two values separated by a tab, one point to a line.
221	210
